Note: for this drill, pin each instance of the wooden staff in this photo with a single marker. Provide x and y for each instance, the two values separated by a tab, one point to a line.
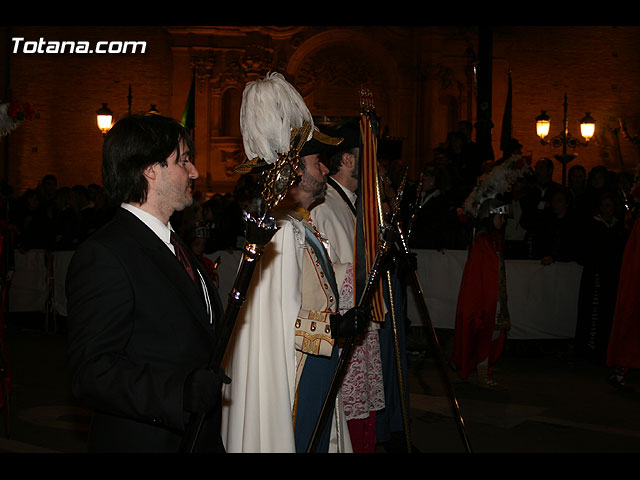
372	292
345	354
260	231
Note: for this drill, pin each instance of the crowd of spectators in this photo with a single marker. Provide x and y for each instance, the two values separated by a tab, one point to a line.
53	217
578	222
586	221
548	221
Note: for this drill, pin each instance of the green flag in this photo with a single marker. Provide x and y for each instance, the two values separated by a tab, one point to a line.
188	116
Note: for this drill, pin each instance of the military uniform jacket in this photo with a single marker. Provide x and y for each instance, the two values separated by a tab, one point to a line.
283	320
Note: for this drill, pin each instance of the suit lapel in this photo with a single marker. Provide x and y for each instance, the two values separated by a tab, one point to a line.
217	309
214	297
171	268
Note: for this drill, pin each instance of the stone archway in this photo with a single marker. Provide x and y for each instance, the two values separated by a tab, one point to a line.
329	69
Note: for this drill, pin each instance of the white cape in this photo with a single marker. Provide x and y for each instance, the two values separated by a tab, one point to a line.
261	357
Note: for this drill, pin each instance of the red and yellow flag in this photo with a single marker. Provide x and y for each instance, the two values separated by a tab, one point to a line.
369	219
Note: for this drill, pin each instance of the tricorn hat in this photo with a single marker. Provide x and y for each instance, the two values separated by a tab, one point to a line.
319	143
350	132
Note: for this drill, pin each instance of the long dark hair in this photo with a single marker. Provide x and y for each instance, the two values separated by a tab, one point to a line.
134	143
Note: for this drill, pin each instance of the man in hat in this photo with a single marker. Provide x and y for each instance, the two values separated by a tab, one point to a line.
284	350
141	321
362	389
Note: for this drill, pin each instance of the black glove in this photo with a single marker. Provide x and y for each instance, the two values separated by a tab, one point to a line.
202	390
411	261
354	322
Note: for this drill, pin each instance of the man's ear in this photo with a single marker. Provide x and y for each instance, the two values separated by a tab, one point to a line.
150	171
348	159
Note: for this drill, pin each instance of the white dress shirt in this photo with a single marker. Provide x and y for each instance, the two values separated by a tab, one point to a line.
164	233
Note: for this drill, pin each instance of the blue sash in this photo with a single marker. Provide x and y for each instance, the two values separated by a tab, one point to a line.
321	254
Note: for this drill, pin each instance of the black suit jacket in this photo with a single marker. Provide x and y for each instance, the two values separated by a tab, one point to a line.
137	327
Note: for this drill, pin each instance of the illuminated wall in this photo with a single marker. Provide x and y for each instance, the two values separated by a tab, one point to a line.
422	78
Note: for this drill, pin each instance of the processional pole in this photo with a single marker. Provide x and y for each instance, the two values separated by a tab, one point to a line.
433	337
347	348
370	149
280	175
398	358
378	239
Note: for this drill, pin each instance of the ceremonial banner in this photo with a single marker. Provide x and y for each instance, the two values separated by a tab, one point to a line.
368	216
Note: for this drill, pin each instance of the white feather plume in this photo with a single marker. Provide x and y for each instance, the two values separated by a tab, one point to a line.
496	182
271	108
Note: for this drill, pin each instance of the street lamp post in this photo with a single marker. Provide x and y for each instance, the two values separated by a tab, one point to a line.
105	115
564	138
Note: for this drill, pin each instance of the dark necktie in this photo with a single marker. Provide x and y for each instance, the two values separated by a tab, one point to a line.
191	270
182	256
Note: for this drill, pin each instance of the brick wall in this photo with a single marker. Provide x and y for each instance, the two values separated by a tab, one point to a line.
67	89
597	67
599	70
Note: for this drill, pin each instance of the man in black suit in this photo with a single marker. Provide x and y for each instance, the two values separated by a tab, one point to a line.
140	329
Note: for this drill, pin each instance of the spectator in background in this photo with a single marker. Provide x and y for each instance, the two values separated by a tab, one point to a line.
577	185
248	193
35	227
557	237
515	245
228	233
67	220
603	245
464	171
97	212
597	185
47	188
197	241
436	223
428	229
577	180
208	222
47	191
535	199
